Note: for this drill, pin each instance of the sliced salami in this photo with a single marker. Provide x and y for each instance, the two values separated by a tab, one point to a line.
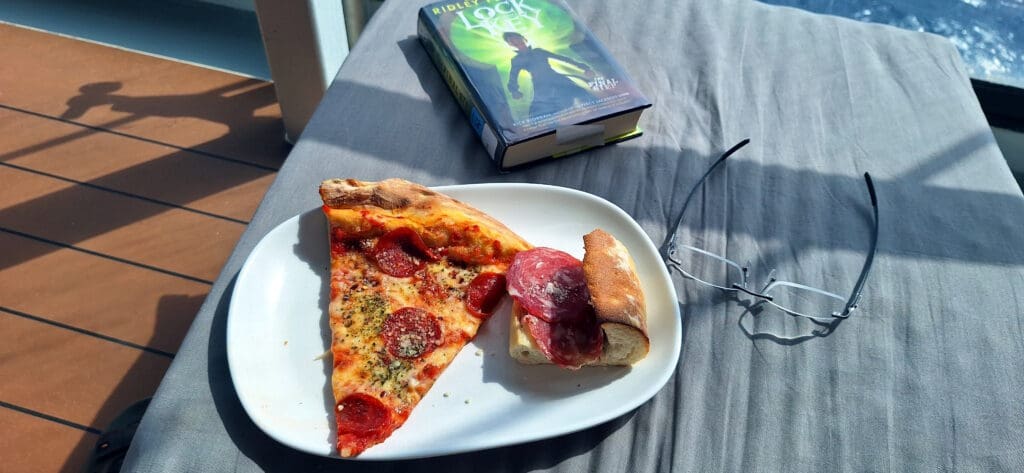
548	283
571	342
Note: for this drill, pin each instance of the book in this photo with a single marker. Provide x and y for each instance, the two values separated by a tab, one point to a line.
532	79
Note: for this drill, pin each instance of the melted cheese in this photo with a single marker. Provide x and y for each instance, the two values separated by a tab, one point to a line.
364	296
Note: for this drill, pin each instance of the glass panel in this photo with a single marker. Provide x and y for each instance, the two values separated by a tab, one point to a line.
708	268
804	300
988	33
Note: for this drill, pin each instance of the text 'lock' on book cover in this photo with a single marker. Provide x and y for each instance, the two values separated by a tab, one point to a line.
528	74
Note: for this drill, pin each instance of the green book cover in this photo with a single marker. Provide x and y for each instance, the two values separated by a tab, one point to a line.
522	69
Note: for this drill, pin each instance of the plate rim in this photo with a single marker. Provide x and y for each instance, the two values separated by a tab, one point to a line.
606	415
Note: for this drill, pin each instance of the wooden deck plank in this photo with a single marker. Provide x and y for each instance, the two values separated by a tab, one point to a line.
99	295
166	101
172	239
81	379
32	444
150	168
132	166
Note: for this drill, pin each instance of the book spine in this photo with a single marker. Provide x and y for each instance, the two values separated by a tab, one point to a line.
459	86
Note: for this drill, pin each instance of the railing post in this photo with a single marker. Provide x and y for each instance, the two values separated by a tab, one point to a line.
306	42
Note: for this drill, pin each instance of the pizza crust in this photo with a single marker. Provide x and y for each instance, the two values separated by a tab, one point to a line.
389	194
434	214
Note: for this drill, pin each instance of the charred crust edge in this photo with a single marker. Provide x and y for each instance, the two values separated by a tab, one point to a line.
387	194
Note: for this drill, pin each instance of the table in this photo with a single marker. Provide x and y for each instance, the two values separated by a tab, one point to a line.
926	375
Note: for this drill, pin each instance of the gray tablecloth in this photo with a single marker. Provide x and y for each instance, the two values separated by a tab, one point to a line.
926	376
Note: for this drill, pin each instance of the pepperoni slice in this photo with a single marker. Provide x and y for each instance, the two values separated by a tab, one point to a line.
401	252
362	421
484	293
548	283
410	333
570	342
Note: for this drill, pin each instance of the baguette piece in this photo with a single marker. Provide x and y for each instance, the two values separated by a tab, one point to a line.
618	302
521	346
617	298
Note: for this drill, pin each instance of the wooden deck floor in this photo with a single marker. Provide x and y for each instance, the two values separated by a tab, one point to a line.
125	181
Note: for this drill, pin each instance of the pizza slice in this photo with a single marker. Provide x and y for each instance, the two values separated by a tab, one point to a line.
413	275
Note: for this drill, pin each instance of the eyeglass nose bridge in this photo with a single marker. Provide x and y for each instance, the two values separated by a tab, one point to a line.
763	293
745	280
752	293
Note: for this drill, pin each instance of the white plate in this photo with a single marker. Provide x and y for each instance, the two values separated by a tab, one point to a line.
277	329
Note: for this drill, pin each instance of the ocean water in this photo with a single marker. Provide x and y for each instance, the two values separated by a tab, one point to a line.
988	33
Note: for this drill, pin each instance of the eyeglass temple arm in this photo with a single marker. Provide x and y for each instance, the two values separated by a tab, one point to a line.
859	287
671	243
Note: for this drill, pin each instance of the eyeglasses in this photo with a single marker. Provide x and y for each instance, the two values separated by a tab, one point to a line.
818	305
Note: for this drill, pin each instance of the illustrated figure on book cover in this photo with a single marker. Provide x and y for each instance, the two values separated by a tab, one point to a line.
552	90
530	58
523	69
